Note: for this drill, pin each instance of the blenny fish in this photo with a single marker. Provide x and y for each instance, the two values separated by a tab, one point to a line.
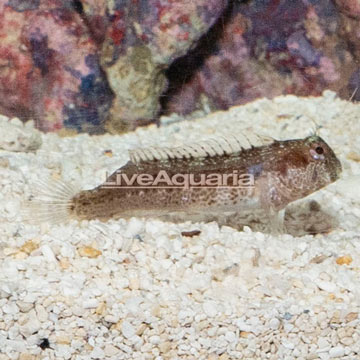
188	181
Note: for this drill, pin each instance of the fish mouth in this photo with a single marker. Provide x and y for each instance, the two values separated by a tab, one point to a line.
338	170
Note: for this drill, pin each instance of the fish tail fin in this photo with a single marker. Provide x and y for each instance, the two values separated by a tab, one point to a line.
50	202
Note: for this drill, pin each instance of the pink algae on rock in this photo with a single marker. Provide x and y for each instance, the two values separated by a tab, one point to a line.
78	64
49	60
92	66
269	48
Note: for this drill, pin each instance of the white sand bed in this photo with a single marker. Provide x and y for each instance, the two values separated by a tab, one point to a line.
139	289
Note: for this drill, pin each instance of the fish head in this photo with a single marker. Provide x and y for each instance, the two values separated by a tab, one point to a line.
304	166
324	164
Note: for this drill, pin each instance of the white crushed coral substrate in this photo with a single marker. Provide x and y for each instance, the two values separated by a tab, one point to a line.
138	289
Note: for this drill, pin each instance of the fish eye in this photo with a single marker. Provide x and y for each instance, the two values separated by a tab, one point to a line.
317	153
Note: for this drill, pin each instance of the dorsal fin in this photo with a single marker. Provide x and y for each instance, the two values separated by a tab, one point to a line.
212	147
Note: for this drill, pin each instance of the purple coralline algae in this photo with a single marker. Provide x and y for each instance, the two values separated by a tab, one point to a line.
273	47
49	67
142	39
93	64
97	65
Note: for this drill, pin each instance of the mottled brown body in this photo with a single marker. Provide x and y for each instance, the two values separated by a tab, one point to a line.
284	171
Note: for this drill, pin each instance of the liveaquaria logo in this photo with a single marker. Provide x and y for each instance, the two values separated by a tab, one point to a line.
186	181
